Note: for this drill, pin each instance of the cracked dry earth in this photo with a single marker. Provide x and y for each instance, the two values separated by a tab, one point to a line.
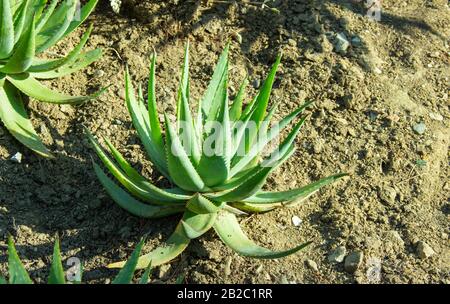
381	113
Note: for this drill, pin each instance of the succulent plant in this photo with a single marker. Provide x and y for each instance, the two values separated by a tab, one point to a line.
28	28
19	275
210	188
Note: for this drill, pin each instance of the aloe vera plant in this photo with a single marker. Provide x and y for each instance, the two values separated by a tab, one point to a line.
210	189
18	274
27	29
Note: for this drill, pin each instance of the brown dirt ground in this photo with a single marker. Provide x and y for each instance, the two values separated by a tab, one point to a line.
367	102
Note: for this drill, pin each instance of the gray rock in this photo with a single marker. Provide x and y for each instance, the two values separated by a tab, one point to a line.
388	194
420	128
312	265
424	250
353	261
341	43
337	255
356	41
17	158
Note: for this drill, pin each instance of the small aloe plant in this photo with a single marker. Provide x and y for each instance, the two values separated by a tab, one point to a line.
210	189
28	28
18	274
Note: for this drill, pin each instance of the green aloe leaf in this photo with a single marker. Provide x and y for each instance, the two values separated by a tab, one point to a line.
229	231
16	120
201	205
19	19
3	281
22	58
181	169
149	193
80	62
55	28
209	104
155	125
46	15
184	86
126	274
84	13
17	272
49	65
141	122
236	107
130	204
214	166
256	208
195	225
6	29
56	271
33	88
145	279
264	140
173	247
296	195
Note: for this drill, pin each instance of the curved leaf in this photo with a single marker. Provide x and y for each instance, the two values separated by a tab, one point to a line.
84	13
296	195
173	247
195	225
229	231
15	119
130	204
81	61
236	107
47	14
33	88
201	205
49	65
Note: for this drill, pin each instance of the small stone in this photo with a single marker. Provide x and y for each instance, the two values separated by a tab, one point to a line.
312	265
227	269
353	261
17	158
356	41
163	272
420	128
377	70
388	194
296	221
341	43
424	250
337	255
99	73
256	83
436	116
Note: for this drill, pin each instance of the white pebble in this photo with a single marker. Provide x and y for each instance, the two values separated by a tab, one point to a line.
296	221
17	158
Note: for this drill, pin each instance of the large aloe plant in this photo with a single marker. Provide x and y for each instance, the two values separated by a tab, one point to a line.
28	28
209	188
18	274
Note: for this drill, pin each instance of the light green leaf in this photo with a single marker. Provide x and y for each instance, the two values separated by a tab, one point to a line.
126	274
149	193
22	58
297	195
56	271
141	123
209	103
6	29
173	247
47	14
201	205
84	13
195	225
181	169
229	231
15	119
3	281
19	19
49	65
130	204
236	107
33	88
214	169
17	272
55	28
155	125
80	62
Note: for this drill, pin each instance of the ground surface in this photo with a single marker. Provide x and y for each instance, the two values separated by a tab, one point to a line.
369	101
